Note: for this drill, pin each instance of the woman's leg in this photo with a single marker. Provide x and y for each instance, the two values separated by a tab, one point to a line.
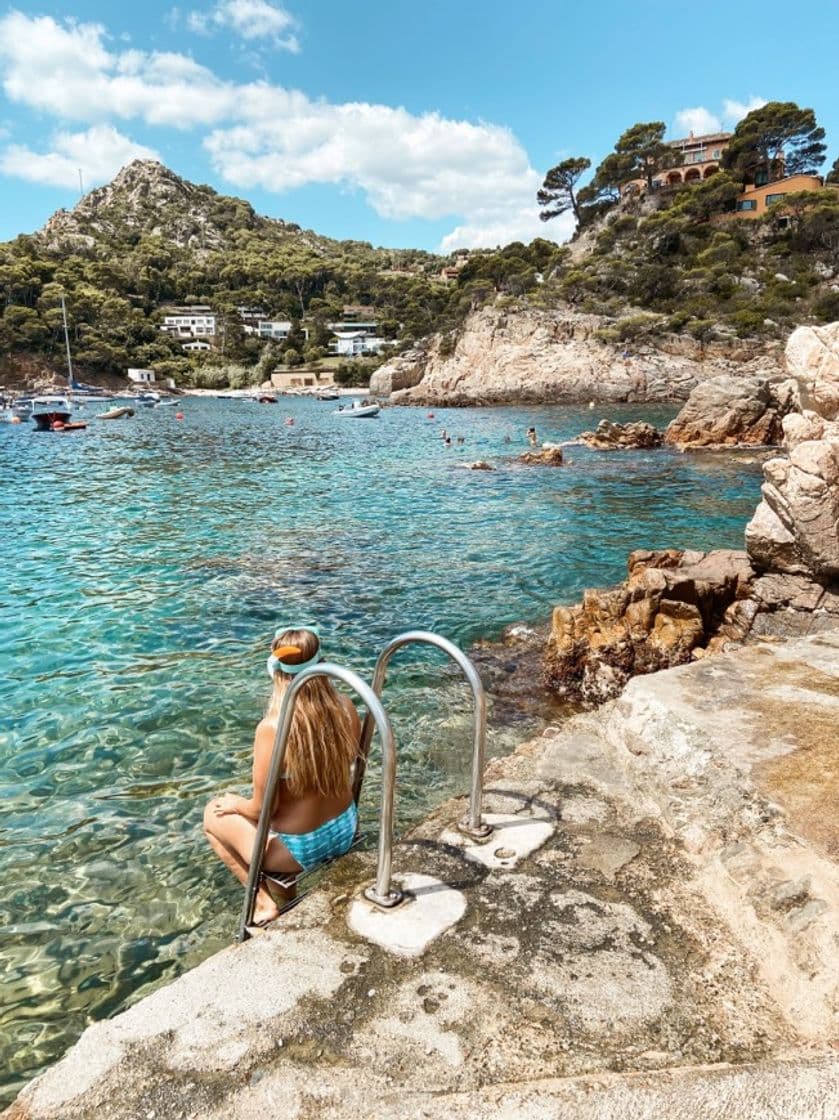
231	837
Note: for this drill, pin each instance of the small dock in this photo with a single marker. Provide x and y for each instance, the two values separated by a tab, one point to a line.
650	932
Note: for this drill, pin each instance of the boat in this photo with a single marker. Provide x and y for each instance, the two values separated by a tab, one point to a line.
358	409
327	395
116	413
148	398
51	410
267	398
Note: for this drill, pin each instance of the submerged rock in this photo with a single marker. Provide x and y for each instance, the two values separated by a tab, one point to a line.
733	411
609	436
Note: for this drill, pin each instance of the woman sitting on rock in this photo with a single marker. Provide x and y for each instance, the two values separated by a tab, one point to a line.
314	815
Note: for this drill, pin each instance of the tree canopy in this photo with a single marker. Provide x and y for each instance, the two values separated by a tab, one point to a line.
778	139
558	192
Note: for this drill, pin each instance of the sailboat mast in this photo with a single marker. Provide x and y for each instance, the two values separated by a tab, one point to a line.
67	342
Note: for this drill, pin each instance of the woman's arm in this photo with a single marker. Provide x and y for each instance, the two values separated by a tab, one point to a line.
251	807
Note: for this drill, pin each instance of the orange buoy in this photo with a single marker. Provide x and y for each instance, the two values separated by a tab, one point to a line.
289	420
15	420
179	416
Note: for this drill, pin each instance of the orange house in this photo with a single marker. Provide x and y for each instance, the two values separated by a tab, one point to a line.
700	158
755	201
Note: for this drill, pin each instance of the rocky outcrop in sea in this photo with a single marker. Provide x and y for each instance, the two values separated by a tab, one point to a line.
679	606
731	411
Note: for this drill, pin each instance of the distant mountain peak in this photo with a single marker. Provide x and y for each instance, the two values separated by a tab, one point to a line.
147	198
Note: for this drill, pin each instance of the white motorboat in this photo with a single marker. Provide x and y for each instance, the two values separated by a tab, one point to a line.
49	410
358	409
148	398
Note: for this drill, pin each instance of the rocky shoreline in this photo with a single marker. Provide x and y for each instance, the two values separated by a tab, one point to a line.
551	357
679	606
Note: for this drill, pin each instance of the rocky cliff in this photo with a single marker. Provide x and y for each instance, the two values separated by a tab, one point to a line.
524	354
795	530
679	606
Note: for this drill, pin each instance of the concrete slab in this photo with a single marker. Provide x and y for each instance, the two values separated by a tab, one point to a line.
513	838
429	909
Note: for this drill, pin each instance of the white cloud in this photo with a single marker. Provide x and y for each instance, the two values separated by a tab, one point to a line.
734	111
700	121
250	19
406	165
98	153
66	70
487	230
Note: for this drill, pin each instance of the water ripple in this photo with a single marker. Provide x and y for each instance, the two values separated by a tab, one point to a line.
144	566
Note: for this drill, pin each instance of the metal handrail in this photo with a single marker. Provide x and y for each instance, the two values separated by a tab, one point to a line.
473	824
381	894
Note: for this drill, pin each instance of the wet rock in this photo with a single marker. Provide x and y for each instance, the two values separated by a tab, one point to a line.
672	604
548	456
812	357
479	465
609	436
732	411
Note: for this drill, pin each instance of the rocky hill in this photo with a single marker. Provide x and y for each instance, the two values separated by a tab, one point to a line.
151	238
147	199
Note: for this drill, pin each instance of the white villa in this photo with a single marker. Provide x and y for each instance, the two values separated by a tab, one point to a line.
198	327
276	329
190	322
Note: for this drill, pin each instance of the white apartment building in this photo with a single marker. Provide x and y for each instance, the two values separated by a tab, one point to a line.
351	344
190	322
276	329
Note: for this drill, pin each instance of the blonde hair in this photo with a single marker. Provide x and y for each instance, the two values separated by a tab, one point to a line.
322	745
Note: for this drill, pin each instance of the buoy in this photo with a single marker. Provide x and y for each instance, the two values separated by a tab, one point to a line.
289	419
179	416
57	425
429	415
15	420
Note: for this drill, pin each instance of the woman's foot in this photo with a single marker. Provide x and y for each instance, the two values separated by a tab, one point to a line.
266	910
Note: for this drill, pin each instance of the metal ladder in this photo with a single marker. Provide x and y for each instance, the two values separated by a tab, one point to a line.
382	893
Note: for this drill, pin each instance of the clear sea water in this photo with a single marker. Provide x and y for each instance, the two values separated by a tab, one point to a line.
144	565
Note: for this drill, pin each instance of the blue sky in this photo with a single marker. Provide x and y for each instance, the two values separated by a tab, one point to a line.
405	123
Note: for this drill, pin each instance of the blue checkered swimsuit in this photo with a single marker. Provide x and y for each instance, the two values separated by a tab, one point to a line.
332	838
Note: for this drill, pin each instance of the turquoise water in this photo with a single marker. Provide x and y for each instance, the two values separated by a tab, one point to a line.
144	566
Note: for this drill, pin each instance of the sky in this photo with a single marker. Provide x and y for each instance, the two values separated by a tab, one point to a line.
407	123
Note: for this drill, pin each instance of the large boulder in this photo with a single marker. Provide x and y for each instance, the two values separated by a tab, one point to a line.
796	527
673	605
400	373
801	427
733	411
812	357
609	436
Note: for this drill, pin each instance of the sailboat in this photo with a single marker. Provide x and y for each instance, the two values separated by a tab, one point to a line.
52	412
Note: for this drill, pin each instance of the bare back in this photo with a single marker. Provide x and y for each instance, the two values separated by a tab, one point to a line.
303	813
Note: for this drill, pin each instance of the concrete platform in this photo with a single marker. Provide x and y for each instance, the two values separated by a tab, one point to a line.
667	949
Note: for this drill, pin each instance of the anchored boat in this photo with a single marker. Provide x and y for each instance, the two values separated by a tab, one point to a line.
358	409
